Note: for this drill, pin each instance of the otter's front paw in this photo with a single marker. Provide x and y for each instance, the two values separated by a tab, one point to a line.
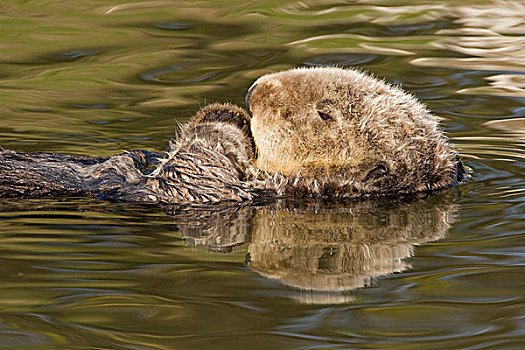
225	113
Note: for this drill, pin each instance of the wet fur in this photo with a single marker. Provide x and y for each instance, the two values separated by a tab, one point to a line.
209	161
340	132
317	132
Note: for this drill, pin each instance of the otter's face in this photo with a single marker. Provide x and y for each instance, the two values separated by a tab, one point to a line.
341	125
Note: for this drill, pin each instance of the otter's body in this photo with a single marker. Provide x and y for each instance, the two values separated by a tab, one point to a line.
210	161
311	132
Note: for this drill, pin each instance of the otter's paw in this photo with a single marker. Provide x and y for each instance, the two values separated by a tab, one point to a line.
225	113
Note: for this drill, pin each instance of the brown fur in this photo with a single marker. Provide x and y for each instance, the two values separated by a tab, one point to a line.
339	132
209	161
312	132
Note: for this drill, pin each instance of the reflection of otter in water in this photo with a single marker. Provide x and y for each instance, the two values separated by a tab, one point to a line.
319	246
312	132
336	249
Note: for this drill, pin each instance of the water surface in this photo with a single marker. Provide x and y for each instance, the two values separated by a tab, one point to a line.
96	78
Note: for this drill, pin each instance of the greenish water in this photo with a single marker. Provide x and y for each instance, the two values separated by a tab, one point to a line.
94	77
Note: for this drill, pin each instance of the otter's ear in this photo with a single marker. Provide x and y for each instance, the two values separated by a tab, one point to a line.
225	113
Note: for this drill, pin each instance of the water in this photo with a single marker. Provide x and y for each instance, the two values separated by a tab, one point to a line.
91	77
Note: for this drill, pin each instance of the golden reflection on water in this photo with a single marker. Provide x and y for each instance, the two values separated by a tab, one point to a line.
489	37
501	84
513	127
507	145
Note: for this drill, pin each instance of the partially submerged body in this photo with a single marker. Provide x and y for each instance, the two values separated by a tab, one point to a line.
324	132
209	161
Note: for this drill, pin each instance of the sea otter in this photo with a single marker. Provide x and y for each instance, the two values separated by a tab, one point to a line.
318	132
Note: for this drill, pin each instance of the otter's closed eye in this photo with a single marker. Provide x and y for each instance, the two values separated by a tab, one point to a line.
325	116
377	172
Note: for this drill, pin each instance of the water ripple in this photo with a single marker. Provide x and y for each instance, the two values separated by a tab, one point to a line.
89	78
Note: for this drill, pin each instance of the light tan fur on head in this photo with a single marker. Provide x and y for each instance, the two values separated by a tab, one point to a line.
341	132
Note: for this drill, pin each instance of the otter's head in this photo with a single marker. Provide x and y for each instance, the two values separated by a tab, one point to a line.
339	127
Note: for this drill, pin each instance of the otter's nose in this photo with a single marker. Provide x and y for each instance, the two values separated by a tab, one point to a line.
248	97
